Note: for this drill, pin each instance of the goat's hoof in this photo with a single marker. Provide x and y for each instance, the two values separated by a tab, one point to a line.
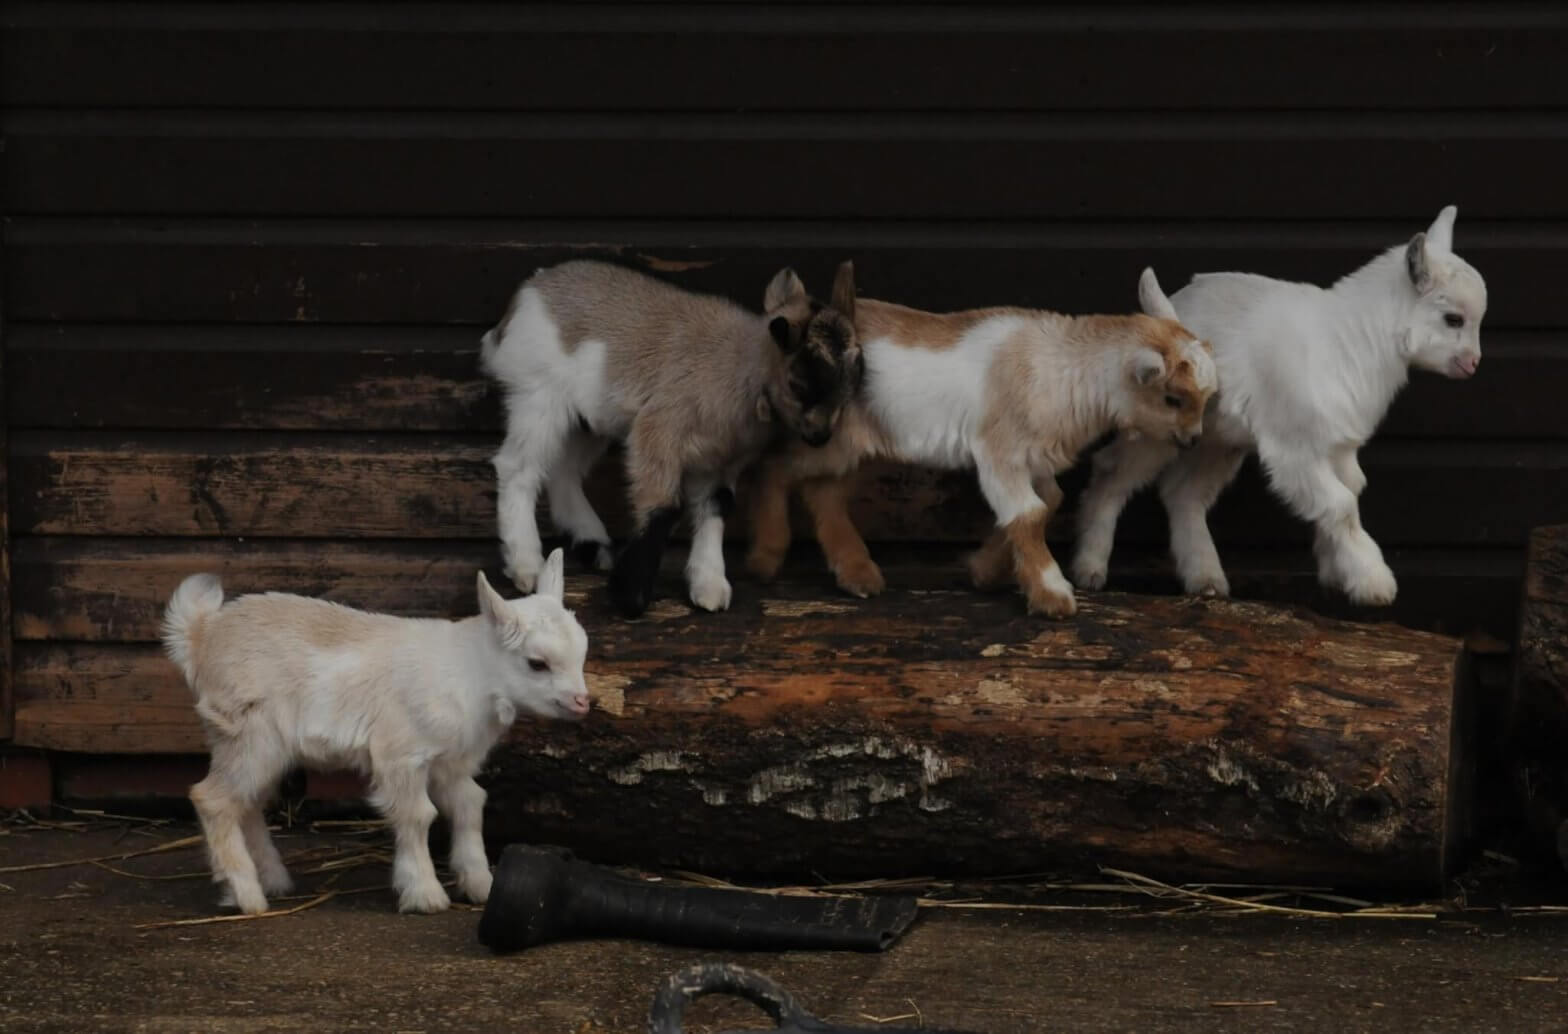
629	592
1091	577
277	883
424	900
861	579
475	886
987	573
711	593
249	900
1213	586
524	580
764	564
1376	588
1054	605
595	556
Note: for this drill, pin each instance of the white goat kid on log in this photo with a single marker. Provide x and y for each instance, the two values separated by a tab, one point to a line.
1306	374
415	704
695	385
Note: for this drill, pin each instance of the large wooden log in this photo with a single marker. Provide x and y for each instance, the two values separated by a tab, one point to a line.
942	730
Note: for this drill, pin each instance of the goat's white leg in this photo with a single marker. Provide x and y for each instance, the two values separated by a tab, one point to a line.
1120	470
1189	487
221	804
706	502
569	506
462	801
536	431
1348	558
1022	515
274	875
1348	469
400	793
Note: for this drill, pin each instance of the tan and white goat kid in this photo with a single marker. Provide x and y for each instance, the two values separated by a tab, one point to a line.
1306	375
415	704
1014	394
695	385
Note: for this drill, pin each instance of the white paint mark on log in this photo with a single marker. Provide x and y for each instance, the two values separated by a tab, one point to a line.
608	692
653	761
994	650
770	782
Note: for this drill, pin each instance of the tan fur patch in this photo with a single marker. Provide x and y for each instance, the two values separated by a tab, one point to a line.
917	329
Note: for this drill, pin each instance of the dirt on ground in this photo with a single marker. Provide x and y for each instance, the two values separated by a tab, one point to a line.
88	947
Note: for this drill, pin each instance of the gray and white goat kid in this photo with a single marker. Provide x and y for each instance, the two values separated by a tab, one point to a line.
413	703
1306	374
695	385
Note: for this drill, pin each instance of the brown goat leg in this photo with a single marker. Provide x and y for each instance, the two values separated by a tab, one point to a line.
827	500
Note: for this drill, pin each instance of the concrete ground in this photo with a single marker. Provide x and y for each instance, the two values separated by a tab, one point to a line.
77	954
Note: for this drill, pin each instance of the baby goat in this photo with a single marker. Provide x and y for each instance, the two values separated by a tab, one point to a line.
1306	374
416	704
694	384
1014	394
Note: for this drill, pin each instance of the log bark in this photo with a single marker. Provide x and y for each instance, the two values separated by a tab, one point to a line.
943	731
1537	724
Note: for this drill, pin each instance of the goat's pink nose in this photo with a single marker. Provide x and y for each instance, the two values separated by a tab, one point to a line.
579	703
1467	364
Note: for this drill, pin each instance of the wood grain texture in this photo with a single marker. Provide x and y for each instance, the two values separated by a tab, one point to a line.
908	57
1540	702
114	590
427	271
295	485
461	164
315	377
7	690
940	731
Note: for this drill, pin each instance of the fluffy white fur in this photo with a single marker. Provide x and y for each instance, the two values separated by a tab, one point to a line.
416	704
1306	374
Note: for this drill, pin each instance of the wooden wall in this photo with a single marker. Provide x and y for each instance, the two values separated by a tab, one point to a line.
249	249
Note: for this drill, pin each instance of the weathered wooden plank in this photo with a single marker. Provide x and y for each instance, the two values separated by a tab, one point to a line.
114	590
280	378
943	731
910	57
747	166
431	272
299	485
313	377
7	694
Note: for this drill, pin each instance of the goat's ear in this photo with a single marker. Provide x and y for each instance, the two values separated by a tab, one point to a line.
493	607
784	288
552	580
844	290
1152	299
1147	366
1440	235
1417	265
778	326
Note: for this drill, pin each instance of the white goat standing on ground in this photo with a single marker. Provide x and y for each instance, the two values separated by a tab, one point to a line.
1306	374
414	703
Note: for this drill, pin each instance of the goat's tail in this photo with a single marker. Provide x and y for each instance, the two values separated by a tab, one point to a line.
197	599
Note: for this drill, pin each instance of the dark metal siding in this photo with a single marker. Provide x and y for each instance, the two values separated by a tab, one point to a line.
249	249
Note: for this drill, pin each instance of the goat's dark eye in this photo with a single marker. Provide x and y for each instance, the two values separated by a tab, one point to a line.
1174	401
538	665
1453	319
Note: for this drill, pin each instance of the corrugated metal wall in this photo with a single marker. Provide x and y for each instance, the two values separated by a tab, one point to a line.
249	249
